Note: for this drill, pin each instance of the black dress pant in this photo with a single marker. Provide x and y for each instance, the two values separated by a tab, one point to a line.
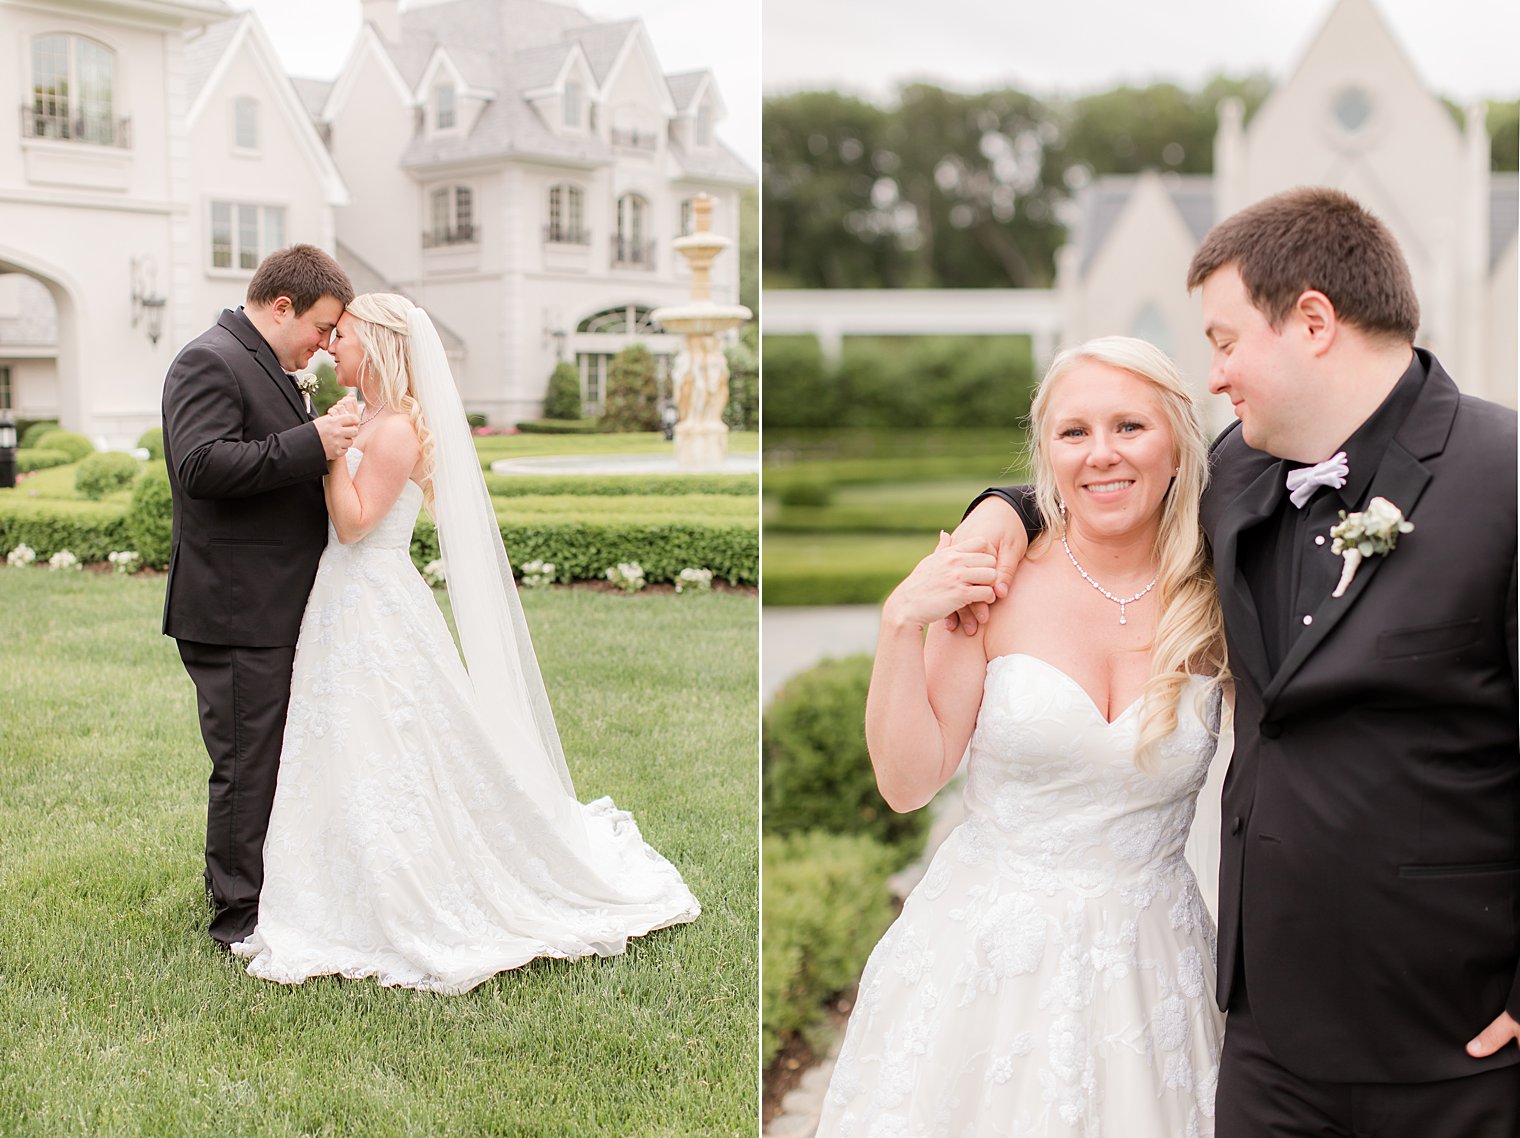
1259	1098
242	695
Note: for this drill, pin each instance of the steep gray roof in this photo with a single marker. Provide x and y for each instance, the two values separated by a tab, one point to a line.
538	67
367	278
507	126
490	30
601	43
313	94
718	165
683	87
1503	213
1100	203
203	50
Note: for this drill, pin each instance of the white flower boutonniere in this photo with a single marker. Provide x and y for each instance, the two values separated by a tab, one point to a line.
1370	532
307	383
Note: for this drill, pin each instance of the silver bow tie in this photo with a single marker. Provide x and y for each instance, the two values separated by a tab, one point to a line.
1303	482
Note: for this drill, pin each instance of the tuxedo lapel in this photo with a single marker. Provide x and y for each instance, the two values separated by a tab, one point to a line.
241	327
1254	505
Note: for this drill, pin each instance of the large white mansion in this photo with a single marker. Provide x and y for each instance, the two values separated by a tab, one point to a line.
514	166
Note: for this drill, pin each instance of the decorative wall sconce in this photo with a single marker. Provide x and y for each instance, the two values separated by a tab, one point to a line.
553	331
147	304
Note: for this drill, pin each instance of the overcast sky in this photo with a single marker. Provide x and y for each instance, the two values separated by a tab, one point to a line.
1461	48
313	38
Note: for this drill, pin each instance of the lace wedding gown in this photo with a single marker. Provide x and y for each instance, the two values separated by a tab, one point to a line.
1053	973
401	846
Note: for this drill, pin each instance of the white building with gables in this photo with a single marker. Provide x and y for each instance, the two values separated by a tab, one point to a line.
514	166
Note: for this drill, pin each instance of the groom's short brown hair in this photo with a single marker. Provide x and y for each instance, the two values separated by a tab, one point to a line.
1321	239
304	273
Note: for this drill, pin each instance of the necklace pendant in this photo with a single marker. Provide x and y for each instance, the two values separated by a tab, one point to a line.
1122	618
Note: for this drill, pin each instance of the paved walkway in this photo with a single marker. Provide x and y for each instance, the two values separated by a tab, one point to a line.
794	639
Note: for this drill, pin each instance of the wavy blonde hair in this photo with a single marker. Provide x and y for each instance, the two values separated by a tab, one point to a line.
381	329
1189	636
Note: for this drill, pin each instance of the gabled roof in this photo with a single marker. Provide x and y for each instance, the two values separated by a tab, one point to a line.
603	43
204	49
313	94
685	86
507	127
367	278
535	68
1100	203
718	164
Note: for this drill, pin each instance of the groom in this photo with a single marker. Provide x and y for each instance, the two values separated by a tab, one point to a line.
1369	940
246	462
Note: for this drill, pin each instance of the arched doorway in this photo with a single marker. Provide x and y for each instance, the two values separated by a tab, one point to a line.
39	347
608	331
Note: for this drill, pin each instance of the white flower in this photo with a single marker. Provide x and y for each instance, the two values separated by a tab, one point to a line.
627	575
125	561
537	573
63	559
20	557
698	580
434	573
1369	533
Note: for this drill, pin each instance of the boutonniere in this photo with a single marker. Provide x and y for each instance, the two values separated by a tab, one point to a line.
1368	533
306	383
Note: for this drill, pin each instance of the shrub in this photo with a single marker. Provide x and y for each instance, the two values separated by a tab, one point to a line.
477	419
105	473
826	904
149	521
563	399
631	402
816	771
152	441
603	486
91	530
72	443
560	427
798	391
35	458
807	493
31	432
329	390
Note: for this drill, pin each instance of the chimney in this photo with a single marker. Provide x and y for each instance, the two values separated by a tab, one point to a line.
385	15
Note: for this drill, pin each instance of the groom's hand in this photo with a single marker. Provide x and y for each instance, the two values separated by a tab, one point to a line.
1500	1033
995	522
337	429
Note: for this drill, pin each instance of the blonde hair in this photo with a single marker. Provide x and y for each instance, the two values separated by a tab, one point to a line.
381	329
1189	636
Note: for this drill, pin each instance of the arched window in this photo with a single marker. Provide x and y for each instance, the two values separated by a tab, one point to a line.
245	123
625	320
73	82
566	216
630	246
452	217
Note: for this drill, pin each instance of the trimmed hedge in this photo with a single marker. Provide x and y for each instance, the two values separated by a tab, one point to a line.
89	530
826	905
72	443
32	432
150	517
105	473
29	459
560	427
621	485
152	441
816	771
582	551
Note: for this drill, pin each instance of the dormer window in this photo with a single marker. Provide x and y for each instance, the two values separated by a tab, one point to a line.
572	104
73	79
245	123
445	110
704	125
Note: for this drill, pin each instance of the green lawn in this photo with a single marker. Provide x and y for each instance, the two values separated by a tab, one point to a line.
117	1016
492	447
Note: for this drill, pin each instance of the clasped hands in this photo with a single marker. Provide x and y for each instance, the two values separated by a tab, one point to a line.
338	427
955	575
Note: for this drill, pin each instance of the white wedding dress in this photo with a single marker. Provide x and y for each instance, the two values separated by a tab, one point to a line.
401	844
1053	973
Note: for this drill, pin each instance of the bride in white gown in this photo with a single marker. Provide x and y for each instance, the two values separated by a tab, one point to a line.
1053	973
425	831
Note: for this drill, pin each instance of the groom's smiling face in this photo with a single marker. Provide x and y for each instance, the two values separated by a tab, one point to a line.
297	337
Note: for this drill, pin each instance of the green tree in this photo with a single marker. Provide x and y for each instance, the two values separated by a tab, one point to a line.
563	400
631	402
749	250
329	390
743	410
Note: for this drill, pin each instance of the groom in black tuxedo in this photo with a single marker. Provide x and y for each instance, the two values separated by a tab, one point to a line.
246	462
1369	940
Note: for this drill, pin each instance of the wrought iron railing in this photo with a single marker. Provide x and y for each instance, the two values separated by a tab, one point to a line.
38	121
565	235
459	235
635	139
628	255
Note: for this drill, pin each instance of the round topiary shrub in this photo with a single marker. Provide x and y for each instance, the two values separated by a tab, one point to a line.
150	517
816	770
152	441
563	400
807	493
632	399
477	419
72	443
105	473
35	431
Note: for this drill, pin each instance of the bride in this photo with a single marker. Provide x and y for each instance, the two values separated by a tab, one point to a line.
425	831
1053	972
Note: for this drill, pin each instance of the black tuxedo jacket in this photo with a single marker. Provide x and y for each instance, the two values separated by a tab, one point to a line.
1369	879
245	466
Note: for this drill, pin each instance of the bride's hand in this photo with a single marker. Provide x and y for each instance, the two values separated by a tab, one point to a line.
348	405
956	574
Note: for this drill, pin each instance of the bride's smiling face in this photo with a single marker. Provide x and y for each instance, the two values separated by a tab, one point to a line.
1111	449
347	353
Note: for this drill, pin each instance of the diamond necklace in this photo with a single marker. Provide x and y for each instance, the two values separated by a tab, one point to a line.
1120	601
371	418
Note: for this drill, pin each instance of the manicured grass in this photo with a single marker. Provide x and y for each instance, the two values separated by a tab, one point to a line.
838	569
894	507
492	447
117	1016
